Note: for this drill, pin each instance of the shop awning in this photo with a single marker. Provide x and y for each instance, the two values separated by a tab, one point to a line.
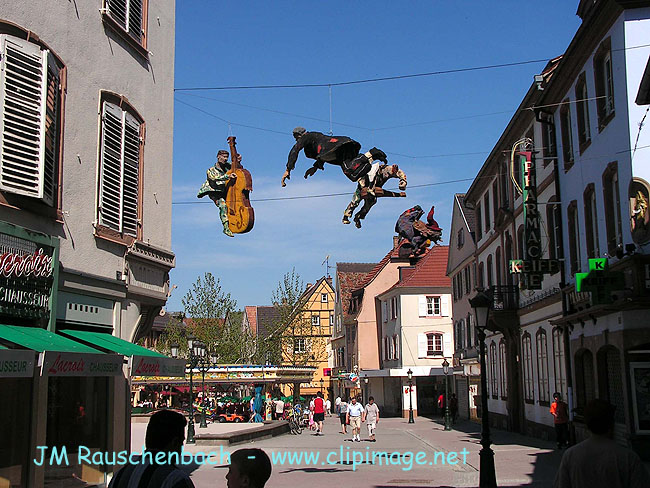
62	356
110	343
142	362
41	340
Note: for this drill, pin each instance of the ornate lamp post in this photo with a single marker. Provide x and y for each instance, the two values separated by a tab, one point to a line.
365	383
409	373
487	475
445	369
195	350
205	363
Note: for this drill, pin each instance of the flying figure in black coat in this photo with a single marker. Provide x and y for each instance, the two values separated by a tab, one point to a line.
338	150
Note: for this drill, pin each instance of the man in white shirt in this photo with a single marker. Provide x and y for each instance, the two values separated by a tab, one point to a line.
279	409
599	461
355	410
371	417
328	407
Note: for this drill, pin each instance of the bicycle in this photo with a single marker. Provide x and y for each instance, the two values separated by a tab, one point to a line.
294	424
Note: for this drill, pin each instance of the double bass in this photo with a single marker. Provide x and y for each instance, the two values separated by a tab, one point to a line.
241	215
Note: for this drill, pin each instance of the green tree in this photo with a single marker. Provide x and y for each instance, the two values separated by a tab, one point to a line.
174	334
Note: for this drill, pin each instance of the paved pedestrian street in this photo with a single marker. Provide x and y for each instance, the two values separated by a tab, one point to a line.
520	461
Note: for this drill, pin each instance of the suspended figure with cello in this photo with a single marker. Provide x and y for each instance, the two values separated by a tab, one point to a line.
228	186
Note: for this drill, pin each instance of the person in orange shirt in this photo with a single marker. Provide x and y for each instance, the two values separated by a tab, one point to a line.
560	412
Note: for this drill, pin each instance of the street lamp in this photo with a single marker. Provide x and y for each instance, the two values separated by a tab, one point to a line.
194	348
445	369
487	476
365	383
204	363
409	373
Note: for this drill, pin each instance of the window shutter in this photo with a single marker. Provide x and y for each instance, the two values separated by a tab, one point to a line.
110	201
118	11
127	13
444	305
23	91
51	151
130	192
447	349
422	345
396	339
384	350
384	311
422	306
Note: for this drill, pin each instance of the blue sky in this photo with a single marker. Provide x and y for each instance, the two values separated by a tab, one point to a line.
235	43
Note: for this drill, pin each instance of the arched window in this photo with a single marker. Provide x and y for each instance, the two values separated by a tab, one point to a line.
503	369
559	363
526	352
494	380
542	366
481	276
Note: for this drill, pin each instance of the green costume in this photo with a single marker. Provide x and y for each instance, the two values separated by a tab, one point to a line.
215	188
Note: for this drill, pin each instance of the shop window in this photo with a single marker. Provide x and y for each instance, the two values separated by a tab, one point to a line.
494	380
582	113
129	19
612	200
603	75
503	371
77	415
16	405
574	237
526	351
567	137
542	367
559	363
591	221
31	110
120	170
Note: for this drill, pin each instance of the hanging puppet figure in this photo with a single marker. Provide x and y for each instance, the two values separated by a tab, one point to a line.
375	179
216	187
338	150
415	234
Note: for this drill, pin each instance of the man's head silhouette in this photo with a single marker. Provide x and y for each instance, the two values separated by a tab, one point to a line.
166	431
249	468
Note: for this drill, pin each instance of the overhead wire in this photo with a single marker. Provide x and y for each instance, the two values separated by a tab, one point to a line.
387	78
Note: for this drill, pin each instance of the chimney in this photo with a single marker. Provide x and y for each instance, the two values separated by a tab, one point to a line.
395	241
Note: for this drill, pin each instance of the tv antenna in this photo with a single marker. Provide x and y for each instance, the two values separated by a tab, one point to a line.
326	263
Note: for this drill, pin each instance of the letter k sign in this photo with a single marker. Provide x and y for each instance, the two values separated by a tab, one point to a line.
598	264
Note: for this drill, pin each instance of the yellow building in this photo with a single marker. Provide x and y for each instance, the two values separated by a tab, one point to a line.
307	339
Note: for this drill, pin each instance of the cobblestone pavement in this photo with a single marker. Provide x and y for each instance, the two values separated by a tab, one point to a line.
447	458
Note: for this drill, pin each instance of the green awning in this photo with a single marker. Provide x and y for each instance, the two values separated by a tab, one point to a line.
110	343
41	340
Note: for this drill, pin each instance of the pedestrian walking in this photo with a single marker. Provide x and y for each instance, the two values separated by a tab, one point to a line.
355	410
453	407
328	407
599	461
165	434
343	415
279	409
560	412
319	413
371	417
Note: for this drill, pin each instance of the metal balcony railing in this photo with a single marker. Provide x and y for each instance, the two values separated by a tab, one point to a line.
504	297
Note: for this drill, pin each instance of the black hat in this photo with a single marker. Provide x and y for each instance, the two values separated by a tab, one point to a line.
221	151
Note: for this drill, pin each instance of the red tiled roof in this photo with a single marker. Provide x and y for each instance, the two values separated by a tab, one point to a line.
430	270
349	276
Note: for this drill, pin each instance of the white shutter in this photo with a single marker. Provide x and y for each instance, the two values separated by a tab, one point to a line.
127	13
135	19
23	91
118	11
384	311
51	129
422	345
110	187
422	306
131	175
397	347
444	305
447	349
